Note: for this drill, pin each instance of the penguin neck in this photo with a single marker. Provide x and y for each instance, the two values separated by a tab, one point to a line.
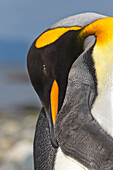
103	107
103	59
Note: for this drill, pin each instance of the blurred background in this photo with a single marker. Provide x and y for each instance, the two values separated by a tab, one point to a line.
20	23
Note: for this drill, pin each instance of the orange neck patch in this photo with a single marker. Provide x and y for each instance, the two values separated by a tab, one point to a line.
103	50
101	28
52	35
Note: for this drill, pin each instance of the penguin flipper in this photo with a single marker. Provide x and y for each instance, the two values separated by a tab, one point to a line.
44	153
80	137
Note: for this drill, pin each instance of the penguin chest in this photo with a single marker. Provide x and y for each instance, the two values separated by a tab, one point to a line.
67	163
103	111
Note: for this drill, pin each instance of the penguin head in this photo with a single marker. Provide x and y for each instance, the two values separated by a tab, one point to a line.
49	61
49	64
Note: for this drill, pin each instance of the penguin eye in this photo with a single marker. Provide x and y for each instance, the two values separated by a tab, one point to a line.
44	69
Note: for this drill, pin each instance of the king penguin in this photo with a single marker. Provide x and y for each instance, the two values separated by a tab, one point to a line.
71	68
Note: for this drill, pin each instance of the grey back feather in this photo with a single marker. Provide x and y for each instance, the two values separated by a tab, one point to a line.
78	20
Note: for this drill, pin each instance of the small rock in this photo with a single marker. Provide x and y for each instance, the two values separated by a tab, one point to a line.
10	127
20	151
5	143
7	166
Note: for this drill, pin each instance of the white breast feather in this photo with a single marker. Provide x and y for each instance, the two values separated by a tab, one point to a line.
63	162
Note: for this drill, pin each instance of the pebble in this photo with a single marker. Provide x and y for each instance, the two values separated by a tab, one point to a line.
20	151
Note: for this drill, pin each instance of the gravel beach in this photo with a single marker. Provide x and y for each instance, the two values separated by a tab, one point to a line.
16	139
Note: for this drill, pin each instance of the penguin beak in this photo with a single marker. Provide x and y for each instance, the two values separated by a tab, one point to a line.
54	100
53	109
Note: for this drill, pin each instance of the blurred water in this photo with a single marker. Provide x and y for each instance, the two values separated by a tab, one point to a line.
16	90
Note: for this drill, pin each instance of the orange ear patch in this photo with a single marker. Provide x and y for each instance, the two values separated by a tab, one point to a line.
52	35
